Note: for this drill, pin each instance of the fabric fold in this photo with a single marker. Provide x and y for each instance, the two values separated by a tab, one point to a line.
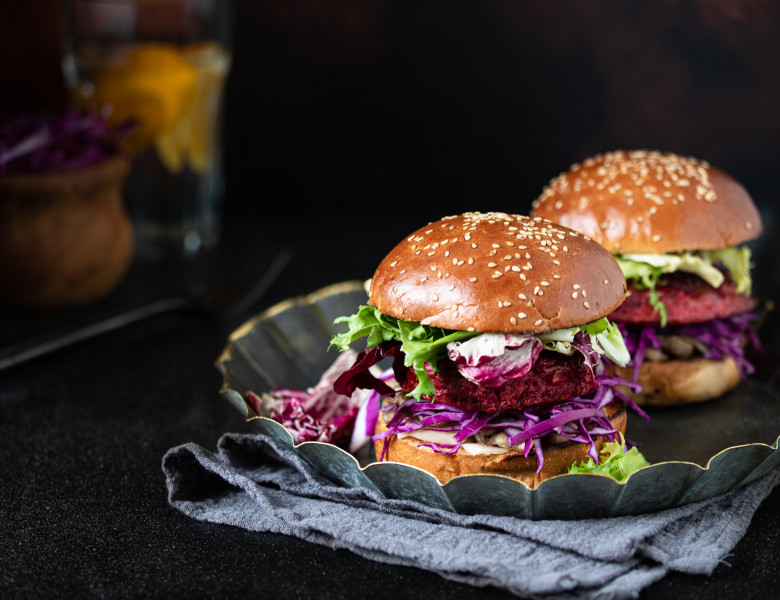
254	483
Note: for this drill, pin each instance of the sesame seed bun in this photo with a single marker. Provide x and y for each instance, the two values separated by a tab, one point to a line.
557	458
651	202
495	272
677	382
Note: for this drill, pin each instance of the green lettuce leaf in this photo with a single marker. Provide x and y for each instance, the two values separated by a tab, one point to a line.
645	277
605	337
737	261
616	462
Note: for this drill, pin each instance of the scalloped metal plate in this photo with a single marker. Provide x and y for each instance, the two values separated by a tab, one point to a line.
697	451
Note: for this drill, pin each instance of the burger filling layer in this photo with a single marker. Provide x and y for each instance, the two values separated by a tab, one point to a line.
554	377
503	391
687	299
688	306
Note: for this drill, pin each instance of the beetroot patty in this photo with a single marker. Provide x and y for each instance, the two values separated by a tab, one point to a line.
554	378
688	299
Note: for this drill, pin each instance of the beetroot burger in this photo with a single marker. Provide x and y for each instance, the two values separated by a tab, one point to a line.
675	226
496	327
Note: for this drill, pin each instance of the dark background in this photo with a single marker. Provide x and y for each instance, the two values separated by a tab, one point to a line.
374	116
431	108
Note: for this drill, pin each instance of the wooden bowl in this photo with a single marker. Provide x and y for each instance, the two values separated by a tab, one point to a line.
66	239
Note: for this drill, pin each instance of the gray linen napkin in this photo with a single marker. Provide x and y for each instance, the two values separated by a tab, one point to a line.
253	483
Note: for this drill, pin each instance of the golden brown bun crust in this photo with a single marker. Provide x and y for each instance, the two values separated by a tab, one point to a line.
494	272
557	459
677	382
651	202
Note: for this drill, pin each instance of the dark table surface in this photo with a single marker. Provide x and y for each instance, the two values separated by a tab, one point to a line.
83	504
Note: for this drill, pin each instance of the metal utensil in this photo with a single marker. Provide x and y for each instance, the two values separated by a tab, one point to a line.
229	295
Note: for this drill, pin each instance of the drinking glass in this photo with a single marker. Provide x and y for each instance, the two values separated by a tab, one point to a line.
158	68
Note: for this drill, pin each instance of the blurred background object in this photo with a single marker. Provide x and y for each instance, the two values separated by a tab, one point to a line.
429	108
66	239
161	64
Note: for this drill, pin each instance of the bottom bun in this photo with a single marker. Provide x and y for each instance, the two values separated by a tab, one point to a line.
557	458
677	382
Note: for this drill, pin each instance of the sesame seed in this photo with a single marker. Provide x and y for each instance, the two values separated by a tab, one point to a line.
606	282
435	298
574	294
556	276
545	283
492	264
473	279
576	286
495	245
432	252
656	237
537	322
452	287
522	315
513	320
522	297
394	263
586	305
748	225
497	274
423	279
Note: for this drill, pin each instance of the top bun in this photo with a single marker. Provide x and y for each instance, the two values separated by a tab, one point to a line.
651	202
494	272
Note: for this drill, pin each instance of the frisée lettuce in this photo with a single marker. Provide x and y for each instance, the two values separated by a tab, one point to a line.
615	461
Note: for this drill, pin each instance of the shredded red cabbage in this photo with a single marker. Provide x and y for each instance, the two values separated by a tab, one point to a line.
44	143
722	338
367	415
315	414
580	420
